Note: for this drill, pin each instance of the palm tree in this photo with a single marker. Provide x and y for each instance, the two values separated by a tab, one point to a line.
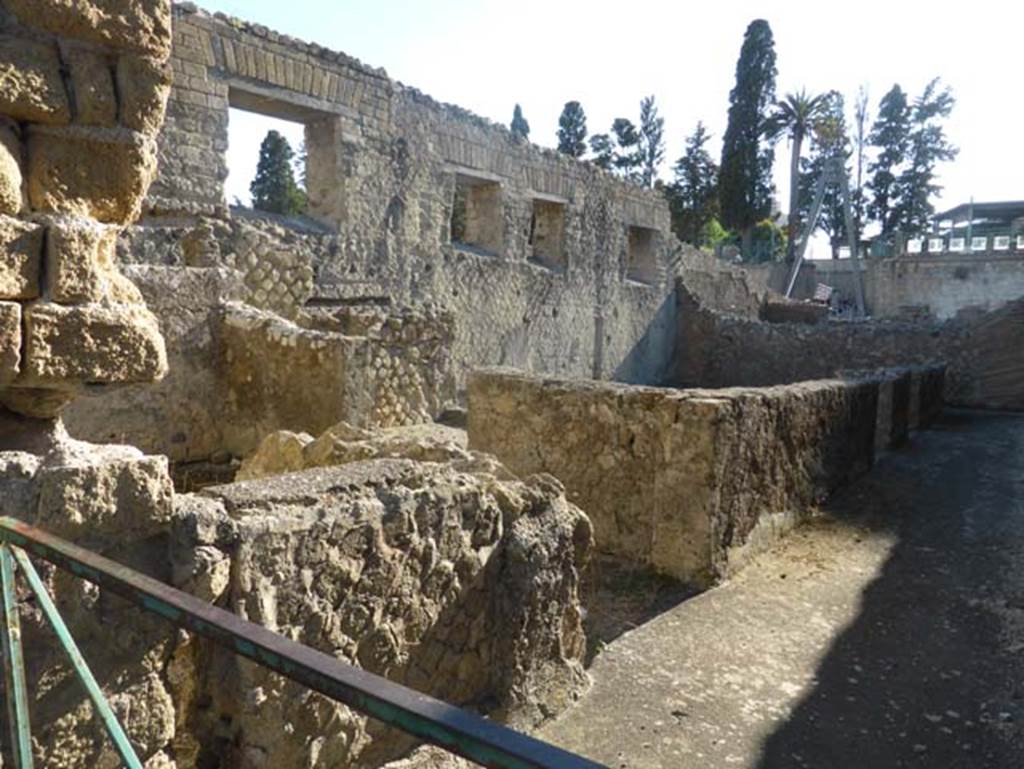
797	114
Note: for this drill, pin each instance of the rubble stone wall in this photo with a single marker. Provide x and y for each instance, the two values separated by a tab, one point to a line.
984	350
453	583
686	481
369	368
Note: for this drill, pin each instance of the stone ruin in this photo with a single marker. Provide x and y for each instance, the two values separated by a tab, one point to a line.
626	394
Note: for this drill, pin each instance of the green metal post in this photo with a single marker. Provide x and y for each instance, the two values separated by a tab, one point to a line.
14	667
99	701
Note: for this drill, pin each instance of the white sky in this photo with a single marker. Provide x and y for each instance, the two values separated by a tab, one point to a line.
486	55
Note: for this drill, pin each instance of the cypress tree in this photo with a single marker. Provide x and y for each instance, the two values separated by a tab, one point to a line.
745	185
274	188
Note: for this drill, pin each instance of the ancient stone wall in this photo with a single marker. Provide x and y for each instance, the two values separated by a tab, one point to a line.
84	88
555	283
984	351
83	84
686	481
371	368
451	582
935	286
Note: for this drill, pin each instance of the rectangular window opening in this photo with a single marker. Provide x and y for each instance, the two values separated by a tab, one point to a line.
547	235
477	223
641	256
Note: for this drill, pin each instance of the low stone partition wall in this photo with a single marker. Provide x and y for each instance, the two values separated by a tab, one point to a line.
371	368
450	581
686	481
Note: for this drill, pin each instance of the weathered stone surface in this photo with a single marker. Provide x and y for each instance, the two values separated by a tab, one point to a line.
91	75
80	265
115	501
984	352
456	584
190	401
21	250
285	451
31	87
103	175
371	369
143	84
687	481
134	25
11	193
37	402
91	343
10	341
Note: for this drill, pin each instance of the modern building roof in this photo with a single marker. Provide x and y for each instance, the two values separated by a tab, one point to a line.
1006	210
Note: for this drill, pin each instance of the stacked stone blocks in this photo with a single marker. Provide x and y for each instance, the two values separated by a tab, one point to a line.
84	88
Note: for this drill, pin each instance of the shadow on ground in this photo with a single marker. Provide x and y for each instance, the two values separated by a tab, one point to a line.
620	596
931	672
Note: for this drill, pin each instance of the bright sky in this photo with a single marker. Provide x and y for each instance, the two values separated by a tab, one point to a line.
486	55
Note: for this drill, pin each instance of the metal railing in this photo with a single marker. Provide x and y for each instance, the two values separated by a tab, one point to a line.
989	240
457	731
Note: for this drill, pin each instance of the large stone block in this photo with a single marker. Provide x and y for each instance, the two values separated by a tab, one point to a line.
10	341
91	344
98	174
11	196
93	80
133	25
80	265
31	87
144	84
21	248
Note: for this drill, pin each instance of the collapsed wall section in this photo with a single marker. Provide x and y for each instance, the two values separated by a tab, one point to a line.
685	480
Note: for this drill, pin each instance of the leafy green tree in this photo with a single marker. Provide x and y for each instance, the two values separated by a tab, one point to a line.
274	188
693	194
519	126
829	140
604	151
745	185
627	159
797	114
890	134
927	147
572	130
651	144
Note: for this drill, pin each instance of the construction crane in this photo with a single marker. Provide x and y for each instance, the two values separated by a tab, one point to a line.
834	172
